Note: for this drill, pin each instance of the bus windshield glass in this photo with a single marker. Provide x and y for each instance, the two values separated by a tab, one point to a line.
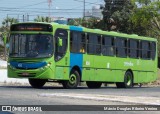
31	46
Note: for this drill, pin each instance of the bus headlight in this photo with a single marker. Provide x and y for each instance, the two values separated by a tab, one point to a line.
48	65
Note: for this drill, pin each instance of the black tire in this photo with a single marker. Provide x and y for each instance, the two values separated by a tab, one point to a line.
120	85
73	81
128	81
37	83
93	84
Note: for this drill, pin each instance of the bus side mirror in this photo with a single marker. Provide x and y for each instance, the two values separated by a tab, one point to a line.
60	42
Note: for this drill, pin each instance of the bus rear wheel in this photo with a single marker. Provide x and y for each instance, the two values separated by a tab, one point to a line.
128	81
37	83
93	84
73	81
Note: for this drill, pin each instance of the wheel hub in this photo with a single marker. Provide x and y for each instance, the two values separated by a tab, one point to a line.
72	79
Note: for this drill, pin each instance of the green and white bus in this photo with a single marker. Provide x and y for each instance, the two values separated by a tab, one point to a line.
43	52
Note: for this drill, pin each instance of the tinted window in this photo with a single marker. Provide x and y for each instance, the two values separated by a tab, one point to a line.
31	46
133	49
61	50
108	46
121	47
77	42
94	44
153	50
145	46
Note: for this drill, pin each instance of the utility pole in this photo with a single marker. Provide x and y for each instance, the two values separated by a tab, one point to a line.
49	5
84	8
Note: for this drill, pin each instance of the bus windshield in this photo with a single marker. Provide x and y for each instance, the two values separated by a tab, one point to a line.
31	46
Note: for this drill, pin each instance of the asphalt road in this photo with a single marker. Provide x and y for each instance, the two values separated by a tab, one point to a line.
25	95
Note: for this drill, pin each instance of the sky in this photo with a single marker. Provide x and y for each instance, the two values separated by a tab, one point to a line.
58	8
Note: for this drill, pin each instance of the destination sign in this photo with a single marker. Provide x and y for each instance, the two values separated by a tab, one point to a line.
32	27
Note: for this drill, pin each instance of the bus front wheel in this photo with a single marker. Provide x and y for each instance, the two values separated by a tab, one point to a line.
37	83
73	81
93	84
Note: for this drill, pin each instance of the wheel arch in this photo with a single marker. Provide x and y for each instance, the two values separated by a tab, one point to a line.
77	68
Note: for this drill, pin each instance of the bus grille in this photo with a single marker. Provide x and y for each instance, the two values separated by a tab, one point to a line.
27	74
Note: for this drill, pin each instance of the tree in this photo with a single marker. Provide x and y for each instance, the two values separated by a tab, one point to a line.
9	21
145	19
42	19
121	18
140	17
111	6
75	22
6	23
92	22
143	2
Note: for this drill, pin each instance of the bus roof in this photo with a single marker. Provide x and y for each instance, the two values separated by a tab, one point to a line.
96	31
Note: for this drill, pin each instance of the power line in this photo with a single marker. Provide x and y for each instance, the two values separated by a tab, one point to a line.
95	3
44	11
88	3
4	8
32	4
41	11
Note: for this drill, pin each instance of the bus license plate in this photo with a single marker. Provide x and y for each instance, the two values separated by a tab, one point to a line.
25	74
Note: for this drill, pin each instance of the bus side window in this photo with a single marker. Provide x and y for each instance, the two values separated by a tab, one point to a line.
153	50
98	45
93	44
76	42
121	47
107	46
145	50
133	48
61	50
83	43
82	50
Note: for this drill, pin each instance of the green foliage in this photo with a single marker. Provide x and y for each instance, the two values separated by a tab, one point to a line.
6	23
112	7
140	17
143	18
42	19
121	18
9	21
87	22
143	2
